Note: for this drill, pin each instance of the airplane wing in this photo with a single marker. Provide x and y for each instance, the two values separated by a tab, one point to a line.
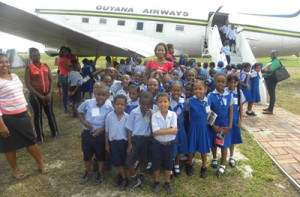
23	24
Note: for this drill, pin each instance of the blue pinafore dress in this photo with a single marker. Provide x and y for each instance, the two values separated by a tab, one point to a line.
198	133
181	143
235	132
255	94
220	105
246	92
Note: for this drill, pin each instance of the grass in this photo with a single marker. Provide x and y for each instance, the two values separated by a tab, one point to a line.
66	166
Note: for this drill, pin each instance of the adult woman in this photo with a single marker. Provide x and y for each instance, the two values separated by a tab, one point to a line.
13	110
270	81
158	66
38	80
64	66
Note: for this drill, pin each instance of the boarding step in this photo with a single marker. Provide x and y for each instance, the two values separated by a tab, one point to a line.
236	59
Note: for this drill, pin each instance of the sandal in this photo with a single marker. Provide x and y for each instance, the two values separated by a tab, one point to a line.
231	162
214	163
220	171
43	169
18	174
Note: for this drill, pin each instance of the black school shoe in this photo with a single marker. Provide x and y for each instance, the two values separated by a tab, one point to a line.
143	181
99	179
203	173
86	177
156	188
123	184
189	170
169	188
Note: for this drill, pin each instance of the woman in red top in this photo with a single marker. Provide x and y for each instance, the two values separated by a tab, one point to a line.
159	66
64	66
16	130
38	80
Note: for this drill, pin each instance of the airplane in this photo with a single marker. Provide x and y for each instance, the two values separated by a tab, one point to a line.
123	28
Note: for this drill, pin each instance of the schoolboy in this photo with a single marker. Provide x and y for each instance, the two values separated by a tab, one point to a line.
92	114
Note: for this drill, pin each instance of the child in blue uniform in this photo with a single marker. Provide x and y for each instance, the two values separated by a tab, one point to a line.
221	102
239	99
198	134
178	106
116	138
92	114
139	132
255	77
246	87
164	127
133	102
125	80
153	87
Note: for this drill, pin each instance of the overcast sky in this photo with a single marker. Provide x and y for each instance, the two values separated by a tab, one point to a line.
254	6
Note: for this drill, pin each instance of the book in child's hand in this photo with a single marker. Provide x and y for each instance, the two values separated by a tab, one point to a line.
85	79
211	118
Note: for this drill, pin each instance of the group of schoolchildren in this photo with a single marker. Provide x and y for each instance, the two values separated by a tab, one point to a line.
155	124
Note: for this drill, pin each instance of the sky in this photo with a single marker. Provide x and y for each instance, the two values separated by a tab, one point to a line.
8	41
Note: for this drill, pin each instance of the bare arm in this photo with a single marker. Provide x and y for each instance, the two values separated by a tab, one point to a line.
106	142
84	122
4	132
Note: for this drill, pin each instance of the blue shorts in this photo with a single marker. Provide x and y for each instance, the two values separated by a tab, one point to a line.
232	42
118	152
77	95
93	145
139	150
162	154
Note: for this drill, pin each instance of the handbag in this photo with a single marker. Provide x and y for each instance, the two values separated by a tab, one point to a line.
281	74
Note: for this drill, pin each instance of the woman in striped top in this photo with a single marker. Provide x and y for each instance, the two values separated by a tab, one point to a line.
13	109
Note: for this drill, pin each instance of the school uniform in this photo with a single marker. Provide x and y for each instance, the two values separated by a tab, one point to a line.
116	86
235	132
95	115
74	80
198	133
154	106
246	92
163	145
181	143
131	105
139	125
123	92
255	93
220	104
211	84
117	135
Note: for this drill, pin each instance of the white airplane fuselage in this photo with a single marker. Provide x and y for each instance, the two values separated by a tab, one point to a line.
122	24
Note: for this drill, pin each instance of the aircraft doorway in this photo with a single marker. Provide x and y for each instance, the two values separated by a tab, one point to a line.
219	19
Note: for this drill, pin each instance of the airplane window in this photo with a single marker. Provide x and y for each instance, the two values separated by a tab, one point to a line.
121	23
85	20
139	26
102	21
159	27
179	28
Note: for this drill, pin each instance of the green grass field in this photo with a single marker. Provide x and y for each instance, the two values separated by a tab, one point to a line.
65	160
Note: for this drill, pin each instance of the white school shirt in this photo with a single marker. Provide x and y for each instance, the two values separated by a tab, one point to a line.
231	34
95	114
116	86
116	128
235	100
225	28
159	122
138	124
